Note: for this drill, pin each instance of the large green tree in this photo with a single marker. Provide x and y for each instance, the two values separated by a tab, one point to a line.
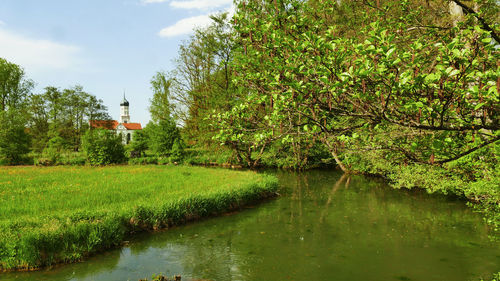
399	81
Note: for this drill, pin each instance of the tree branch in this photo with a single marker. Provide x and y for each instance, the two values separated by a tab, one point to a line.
469	10
468	151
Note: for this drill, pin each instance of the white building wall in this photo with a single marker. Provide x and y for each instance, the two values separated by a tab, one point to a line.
124	132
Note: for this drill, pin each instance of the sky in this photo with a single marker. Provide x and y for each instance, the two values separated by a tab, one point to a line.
107	46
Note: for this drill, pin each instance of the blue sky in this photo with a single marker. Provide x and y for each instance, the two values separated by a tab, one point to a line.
107	46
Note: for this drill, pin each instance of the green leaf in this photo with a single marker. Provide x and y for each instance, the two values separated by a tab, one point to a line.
486	40
478	106
454	72
389	53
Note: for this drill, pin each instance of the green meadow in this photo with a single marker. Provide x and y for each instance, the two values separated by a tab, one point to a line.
51	215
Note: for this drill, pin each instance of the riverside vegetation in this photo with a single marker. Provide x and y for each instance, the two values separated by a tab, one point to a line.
62	214
399	89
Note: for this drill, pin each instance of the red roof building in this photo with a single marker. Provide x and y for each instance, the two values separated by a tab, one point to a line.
113	124
125	128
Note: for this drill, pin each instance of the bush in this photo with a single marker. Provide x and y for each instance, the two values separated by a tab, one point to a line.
143	160
103	147
51	154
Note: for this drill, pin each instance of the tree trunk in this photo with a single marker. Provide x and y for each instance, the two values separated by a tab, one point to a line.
333	150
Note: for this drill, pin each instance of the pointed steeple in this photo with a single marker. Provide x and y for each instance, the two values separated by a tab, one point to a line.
124	112
124	101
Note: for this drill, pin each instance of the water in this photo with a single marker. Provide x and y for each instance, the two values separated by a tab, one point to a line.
323	227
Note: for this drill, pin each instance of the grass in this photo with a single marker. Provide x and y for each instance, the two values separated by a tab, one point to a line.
60	214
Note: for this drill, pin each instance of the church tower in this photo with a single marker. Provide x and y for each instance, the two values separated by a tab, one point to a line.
124	114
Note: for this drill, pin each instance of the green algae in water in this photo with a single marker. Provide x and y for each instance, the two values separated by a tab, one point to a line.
320	229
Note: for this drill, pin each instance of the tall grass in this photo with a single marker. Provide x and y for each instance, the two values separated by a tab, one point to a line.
61	214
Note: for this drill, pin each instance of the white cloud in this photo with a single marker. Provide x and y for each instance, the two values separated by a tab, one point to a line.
38	55
185	26
199	4
2	23
153	1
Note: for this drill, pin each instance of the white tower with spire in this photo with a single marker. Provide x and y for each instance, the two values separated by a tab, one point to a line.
124	113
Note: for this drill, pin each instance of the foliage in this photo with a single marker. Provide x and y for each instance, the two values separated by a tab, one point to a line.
14	140
103	147
53	150
160	107
430	98
139	143
143	160
495	277
202	79
57	226
14	87
63	113
161	136
177	151
219	157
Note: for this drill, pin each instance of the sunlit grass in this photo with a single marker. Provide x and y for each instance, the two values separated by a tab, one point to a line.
58	214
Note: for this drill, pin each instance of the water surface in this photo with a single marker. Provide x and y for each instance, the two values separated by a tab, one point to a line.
325	226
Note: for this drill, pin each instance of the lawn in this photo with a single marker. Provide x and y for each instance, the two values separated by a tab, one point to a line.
62	214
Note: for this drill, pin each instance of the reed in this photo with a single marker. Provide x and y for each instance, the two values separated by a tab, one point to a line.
61	214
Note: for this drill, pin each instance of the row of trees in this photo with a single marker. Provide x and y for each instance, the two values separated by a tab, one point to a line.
406	81
48	122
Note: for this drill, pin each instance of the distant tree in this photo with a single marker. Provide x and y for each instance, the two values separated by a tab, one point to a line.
160	107
14	87
38	121
62	113
14	140
162	136
103	147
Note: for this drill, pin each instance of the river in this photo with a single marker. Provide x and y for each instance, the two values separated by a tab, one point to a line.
324	226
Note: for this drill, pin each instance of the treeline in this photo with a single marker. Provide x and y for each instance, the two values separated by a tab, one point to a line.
52	127
46	123
404	89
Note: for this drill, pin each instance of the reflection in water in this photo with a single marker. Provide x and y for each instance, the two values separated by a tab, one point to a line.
326	226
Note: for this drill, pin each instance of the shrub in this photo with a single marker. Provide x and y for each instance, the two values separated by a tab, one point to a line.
143	160
103	147
51	154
